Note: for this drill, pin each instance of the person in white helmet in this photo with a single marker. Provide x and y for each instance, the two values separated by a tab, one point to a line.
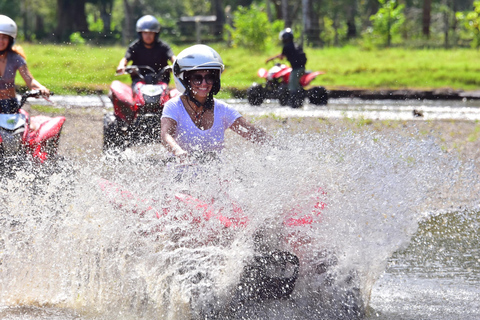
195	122
148	49
12	59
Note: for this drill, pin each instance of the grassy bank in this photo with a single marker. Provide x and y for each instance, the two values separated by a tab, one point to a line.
73	69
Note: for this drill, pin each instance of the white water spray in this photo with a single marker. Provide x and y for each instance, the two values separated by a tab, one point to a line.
67	244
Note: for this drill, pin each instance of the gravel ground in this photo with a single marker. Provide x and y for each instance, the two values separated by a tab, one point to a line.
83	130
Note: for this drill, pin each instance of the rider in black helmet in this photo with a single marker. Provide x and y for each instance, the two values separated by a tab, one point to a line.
148	49
295	56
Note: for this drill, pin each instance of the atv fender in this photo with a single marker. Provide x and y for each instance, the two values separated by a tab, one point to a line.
122	99
308	77
47	128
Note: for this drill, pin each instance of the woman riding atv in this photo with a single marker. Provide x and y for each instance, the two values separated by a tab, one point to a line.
12	58
195	121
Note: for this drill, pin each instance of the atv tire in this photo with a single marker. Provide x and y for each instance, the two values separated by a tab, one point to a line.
318	96
283	95
112	137
296	100
256	95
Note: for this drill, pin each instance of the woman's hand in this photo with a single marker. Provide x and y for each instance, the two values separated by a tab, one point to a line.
249	131
44	91
181	155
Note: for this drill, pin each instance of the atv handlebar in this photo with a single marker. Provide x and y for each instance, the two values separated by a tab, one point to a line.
31	94
135	70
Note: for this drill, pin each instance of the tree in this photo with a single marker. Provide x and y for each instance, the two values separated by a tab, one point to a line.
388	19
251	28
71	18
105	7
350	16
129	24
285	14
471	22
311	25
427	11
220	14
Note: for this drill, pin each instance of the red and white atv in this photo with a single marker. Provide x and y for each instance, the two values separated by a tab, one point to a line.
26	138
136	113
276	87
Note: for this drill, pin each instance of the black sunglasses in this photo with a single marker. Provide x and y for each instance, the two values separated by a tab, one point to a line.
197	79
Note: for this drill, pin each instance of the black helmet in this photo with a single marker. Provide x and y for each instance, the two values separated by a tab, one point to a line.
148	23
286	35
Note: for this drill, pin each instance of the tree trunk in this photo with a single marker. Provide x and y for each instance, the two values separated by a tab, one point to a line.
269	11
389	28
106	7
286	17
446	25
220	14
71	18
39	27
26	31
351	27
311	26
129	27
427	9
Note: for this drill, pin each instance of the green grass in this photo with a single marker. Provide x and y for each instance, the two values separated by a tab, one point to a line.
48	109
82	69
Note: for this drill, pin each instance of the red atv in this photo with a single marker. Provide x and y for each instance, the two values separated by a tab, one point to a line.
276	87
136	113
272	273
25	138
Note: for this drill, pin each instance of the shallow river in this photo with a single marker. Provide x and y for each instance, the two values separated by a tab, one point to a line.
398	216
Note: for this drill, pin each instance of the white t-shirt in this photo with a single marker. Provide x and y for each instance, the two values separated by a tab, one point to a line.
189	136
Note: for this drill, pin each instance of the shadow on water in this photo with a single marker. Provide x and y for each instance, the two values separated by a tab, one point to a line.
68	247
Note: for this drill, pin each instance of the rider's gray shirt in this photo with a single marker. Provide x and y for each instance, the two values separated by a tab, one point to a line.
14	62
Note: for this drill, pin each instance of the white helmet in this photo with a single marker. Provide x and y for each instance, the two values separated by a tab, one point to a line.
8	26
197	57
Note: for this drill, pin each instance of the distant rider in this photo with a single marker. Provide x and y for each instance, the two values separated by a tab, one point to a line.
12	58
195	122
297	59
148	49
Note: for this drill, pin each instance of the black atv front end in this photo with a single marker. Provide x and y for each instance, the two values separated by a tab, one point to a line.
119	135
258	93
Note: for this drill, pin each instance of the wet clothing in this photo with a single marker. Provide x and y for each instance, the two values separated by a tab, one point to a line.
156	57
14	62
297	59
189	137
9	105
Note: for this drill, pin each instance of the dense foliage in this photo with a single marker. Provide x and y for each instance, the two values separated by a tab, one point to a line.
253	23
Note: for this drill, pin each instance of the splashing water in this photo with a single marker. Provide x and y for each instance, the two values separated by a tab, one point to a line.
68	244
